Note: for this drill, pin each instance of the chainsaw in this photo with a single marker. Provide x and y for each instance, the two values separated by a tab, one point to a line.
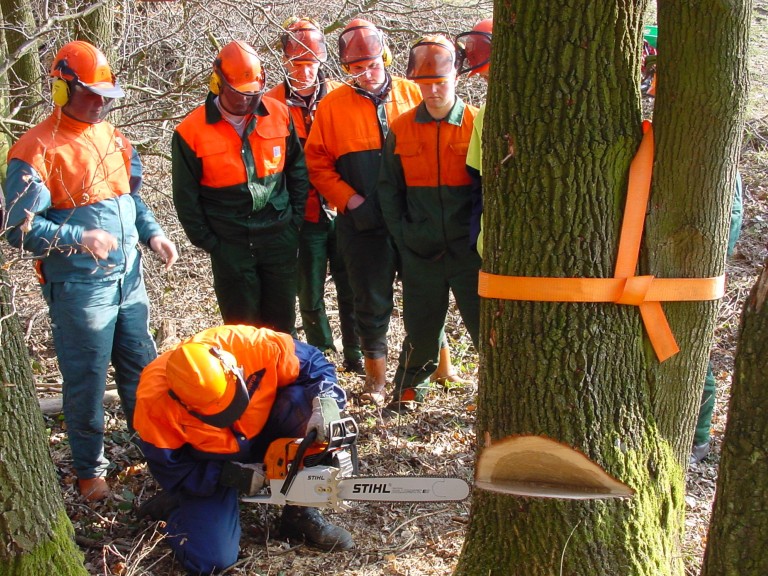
304	472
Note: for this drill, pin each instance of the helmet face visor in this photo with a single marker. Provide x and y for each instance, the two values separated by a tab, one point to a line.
474	52
430	62
305	45
360	43
106	89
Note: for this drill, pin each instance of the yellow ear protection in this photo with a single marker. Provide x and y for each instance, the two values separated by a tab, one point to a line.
60	87
386	55
60	92
214	85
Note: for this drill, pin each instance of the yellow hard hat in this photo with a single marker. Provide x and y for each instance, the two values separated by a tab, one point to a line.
207	382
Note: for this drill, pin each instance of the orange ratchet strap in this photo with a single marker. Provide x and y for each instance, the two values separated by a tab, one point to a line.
646	292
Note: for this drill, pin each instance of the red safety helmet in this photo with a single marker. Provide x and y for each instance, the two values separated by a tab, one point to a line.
86	65
475	48
360	41
432	59
240	67
303	41
207	382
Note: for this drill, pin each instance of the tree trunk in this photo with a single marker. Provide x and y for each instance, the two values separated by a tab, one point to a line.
5	134
98	28
562	126
739	526
36	536
24	76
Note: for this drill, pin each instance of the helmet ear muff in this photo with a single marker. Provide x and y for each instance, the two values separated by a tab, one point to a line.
386	56
215	83
60	92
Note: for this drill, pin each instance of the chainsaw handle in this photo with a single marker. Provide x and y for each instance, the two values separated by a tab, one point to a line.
308	440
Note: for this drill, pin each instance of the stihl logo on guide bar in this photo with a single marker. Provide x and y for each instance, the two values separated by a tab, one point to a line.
358	488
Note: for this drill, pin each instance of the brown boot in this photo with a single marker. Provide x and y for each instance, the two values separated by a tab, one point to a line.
93	489
446	372
375	381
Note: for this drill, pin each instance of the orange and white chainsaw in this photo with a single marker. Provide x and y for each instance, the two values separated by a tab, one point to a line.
303	472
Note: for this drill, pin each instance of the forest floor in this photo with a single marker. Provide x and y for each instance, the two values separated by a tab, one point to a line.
412	540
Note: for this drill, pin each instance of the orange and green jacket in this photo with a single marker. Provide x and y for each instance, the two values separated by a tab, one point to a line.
186	454
303	115
65	177
344	148
424	187
237	189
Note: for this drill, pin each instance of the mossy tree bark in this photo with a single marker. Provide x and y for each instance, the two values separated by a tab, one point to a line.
36	536
562	126
739	526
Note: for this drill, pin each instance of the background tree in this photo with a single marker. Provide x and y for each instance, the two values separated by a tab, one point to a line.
22	69
740	520
36	536
563	123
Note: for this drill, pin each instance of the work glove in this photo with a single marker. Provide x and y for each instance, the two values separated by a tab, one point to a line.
247	478
324	411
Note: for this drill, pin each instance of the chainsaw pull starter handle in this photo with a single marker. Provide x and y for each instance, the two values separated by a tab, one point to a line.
308	440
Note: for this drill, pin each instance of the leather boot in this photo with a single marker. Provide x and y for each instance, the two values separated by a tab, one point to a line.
309	525
375	381
446	372
160	506
93	489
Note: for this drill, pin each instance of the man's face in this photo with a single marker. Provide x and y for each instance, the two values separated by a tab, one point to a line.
369	75
237	103
86	106
439	96
301	75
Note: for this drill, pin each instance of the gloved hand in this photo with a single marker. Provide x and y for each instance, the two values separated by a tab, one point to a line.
324	411
247	478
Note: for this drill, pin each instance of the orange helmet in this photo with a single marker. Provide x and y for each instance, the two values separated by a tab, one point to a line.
431	59
360	41
304	41
207	382
239	66
85	64
475	48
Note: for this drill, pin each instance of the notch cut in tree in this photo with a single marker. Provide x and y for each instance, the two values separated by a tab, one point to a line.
544	468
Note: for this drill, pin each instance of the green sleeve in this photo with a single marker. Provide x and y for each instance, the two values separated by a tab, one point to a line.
736	215
187	171
392	189
296	175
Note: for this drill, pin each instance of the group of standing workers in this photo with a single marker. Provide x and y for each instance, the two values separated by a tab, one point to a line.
365	177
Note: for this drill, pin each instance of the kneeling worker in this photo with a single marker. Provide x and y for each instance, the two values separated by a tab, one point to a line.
210	407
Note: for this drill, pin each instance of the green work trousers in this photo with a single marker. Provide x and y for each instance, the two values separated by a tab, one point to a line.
706	409
255	283
426	288
371	262
318	254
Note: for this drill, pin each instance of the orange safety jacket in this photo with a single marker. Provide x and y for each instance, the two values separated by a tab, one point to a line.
182	451
165	423
343	150
303	115
424	187
232	188
61	150
65	177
